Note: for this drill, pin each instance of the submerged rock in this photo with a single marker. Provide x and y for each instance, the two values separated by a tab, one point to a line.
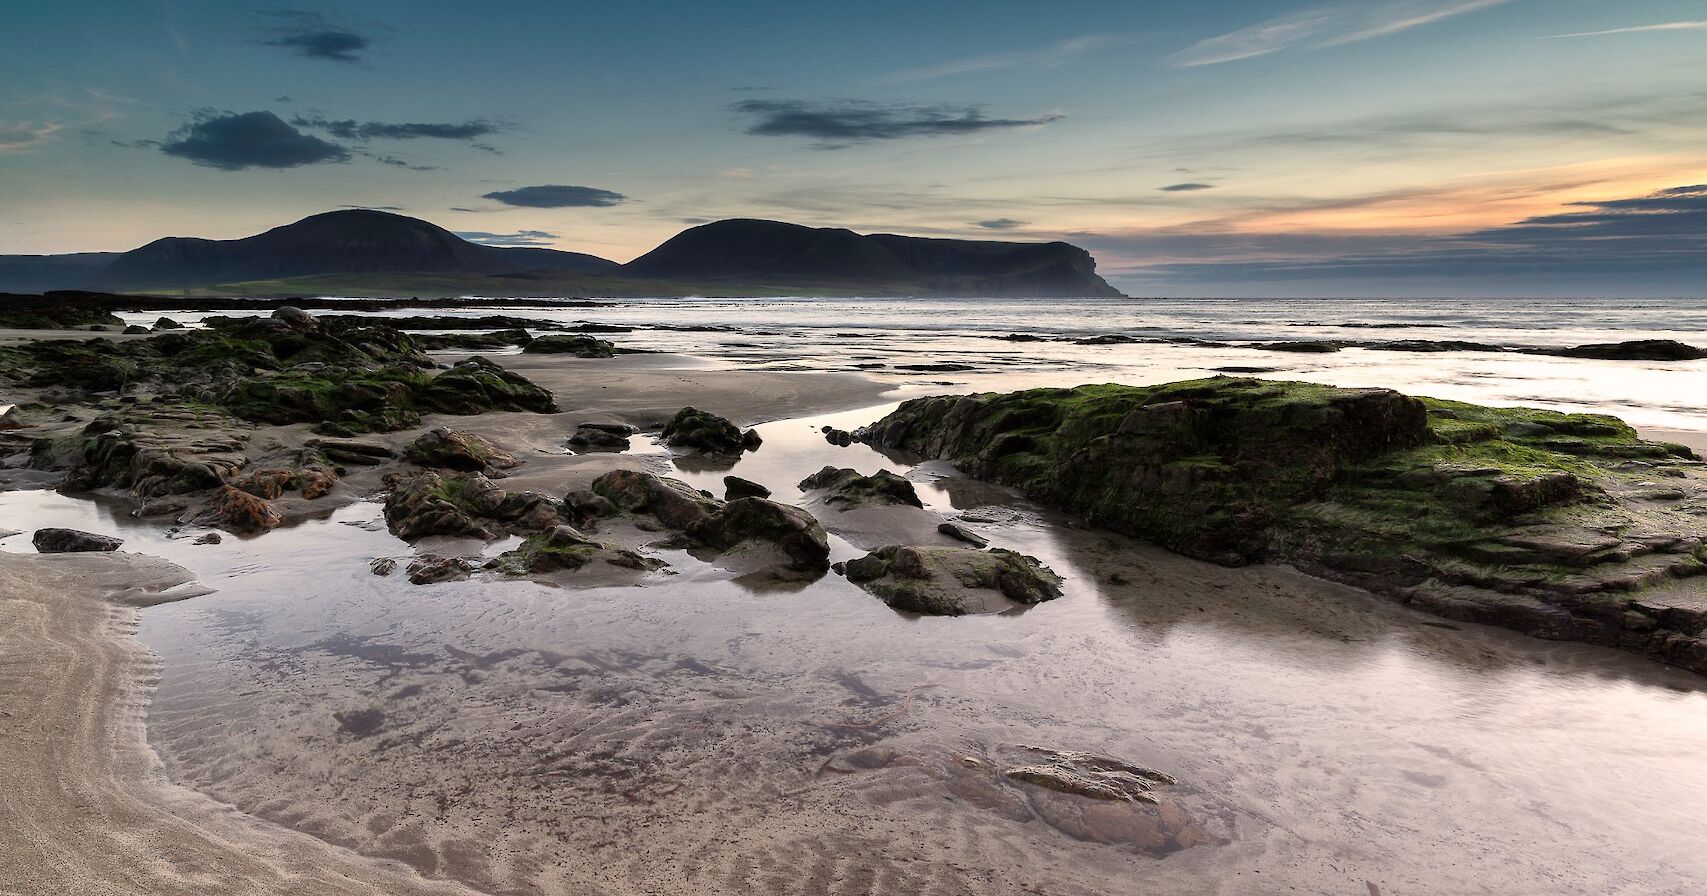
69	541
432	568
849	488
942	581
563	548
1453	508
452	449
707	432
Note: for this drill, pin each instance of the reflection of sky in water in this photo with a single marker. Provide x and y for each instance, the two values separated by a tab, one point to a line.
1355	740
814	334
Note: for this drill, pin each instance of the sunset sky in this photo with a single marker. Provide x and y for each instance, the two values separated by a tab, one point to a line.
1258	147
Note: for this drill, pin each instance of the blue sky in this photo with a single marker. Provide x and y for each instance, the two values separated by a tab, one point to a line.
1405	147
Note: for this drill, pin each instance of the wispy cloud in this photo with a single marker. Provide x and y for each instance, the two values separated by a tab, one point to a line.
840	123
1634	29
1325	26
23	134
350	129
1000	224
518	238
1046	57
1185	188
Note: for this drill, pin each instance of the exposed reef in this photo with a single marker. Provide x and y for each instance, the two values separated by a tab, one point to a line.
1564	526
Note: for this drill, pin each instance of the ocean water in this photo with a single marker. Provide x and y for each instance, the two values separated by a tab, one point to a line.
883	337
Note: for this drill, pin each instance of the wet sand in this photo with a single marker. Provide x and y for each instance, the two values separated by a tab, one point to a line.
85	808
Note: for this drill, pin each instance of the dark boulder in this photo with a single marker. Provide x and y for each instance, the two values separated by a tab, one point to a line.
735	488
789	529
850	489
579	346
674	503
451	449
68	541
707	432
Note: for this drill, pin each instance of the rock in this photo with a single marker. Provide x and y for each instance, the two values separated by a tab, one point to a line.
566	548
953	581
584	508
1308	348
838	437
735	488
166	323
589	438
1506	516
297	319
68	541
580	346
433	568
707	432
1635	350
9	419
465	504
471	342
1097	777
961	533
674	503
1108	339
382	566
850	489
234	510
451	449
476	385
946	367
358	453
136	330
208	538
791	530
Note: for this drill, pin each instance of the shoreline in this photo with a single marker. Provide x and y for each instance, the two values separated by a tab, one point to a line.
87	807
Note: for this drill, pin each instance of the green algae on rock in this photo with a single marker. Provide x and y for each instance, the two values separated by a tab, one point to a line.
1545	522
941	581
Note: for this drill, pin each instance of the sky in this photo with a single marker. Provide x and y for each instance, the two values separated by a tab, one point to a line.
1249	148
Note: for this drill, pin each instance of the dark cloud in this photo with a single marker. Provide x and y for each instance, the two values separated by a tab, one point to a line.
395	162
844	122
350	129
1185	188
1652	244
233	141
519	238
557	196
309	34
1000	224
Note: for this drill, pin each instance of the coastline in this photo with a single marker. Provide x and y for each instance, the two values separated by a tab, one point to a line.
87	808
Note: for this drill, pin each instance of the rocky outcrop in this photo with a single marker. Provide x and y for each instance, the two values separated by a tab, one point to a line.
68	541
430	569
450	449
848	488
1635	350
942	581
675	504
464	504
1563	526
707	432
578	346
611	437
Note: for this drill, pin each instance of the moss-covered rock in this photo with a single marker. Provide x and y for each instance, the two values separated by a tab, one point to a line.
675	504
465	504
802	542
940	581
578	346
564	548
848	488
1473	512
452	449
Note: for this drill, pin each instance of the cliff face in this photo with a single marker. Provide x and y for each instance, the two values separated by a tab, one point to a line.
343	242
771	252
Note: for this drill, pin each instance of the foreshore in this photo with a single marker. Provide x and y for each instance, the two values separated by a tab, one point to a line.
86	808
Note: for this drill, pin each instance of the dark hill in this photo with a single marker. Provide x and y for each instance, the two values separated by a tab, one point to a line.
771	252
355	241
